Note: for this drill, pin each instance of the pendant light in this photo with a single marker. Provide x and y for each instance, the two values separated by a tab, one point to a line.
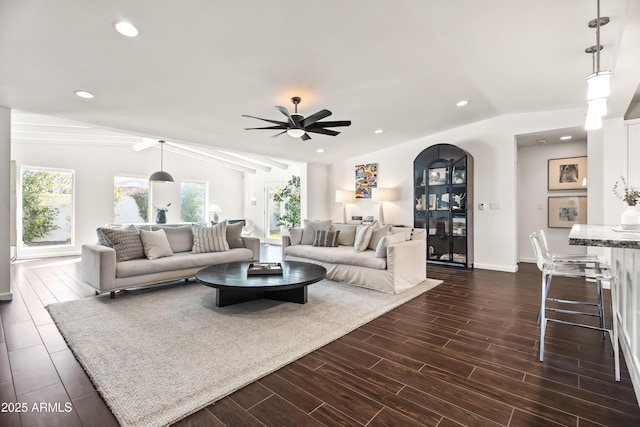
598	82
161	176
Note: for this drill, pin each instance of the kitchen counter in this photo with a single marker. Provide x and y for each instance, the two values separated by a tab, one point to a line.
603	236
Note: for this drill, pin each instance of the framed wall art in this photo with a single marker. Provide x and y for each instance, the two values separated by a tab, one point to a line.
569	173
366	179
564	211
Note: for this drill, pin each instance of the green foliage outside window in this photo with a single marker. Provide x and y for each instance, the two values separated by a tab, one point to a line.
290	196
192	202
41	191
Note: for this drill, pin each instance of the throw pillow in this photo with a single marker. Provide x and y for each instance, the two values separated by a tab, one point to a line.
126	242
210	239
102	238
363	236
389	239
180	238
295	236
378	233
326	238
234	235
155	244
405	231
347	233
309	228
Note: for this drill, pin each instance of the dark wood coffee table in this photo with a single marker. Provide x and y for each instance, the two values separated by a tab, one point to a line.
234	286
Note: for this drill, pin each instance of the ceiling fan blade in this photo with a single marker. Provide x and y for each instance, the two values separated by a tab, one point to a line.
286	113
282	126
324	131
278	134
330	124
305	136
315	117
266	120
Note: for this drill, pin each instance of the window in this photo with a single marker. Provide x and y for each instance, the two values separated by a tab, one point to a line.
193	197
47	207
130	200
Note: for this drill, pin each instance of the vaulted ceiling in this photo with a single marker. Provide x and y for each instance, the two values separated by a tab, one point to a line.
401	66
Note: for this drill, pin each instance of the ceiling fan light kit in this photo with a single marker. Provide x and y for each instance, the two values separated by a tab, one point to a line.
299	126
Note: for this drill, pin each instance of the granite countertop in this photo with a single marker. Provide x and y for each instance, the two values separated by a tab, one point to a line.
603	235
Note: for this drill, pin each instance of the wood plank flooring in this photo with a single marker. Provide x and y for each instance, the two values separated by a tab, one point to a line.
464	353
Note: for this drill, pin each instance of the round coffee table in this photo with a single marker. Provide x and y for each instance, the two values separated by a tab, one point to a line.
233	285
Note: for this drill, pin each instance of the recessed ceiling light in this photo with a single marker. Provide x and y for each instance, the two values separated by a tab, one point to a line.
84	94
541	141
127	29
462	103
564	138
320	150
378	131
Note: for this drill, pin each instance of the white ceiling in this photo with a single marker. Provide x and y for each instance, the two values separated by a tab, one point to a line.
198	65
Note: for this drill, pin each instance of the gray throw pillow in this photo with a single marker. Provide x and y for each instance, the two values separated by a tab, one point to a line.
210	239
126	242
378	233
155	244
347	233
309	228
295	236
389	239
326	238
180	238
234	235
363	236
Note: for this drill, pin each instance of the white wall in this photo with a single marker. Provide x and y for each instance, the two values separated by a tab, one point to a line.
533	194
492	144
5	205
96	165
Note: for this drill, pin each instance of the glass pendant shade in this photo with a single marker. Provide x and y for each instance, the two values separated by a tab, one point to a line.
597	107
598	85
593	123
295	133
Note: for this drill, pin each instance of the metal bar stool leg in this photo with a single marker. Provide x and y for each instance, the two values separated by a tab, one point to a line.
614	327
545	291
601	307
543	318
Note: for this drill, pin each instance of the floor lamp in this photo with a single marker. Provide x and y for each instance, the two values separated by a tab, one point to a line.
344	197
382	195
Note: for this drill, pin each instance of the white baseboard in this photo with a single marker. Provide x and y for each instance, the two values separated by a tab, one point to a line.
6	296
506	269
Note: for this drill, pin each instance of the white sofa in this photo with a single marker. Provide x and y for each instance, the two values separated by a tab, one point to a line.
102	272
401	266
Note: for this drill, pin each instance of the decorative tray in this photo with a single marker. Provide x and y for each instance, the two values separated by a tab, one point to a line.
256	268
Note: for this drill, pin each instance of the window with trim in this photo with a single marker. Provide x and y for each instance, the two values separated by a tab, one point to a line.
130	200
47	207
193	198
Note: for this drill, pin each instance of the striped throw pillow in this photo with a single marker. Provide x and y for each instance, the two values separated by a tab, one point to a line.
210	239
326	238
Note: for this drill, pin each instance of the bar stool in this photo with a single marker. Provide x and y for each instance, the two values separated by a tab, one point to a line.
588	270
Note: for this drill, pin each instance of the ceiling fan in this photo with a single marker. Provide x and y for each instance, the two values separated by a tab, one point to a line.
299	126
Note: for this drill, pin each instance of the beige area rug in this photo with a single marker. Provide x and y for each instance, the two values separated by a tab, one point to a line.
159	355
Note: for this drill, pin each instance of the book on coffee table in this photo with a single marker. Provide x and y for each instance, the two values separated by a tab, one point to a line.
264	268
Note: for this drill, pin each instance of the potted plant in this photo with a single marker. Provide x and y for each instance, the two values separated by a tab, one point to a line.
289	195
630	218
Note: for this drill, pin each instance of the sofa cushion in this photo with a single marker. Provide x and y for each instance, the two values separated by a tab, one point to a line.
309	228
125	241
295	236
363	236
346	255
180	261
210	239
234	235
389	239
347	233
404	231
326	238
180	237
377	234
155	244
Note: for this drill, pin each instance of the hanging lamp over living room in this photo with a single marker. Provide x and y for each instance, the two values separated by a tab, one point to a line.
161	176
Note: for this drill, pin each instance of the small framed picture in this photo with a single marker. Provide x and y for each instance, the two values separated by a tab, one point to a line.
433	200
459	175
569	173
564	211
437	176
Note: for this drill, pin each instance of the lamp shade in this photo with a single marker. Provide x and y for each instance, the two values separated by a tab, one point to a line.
380	194
161	177
344	196
593	122
598	85
597	107
215	208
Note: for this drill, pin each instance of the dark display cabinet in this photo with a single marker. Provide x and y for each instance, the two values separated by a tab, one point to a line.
443	203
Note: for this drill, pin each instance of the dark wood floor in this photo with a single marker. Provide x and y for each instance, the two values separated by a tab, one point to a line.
464	353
